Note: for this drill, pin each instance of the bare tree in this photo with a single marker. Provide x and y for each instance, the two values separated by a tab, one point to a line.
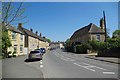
11	13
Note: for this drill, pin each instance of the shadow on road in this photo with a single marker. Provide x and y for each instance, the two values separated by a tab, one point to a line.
31	60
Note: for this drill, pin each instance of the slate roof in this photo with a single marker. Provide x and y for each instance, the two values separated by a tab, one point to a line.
42	39
11	28
30	33
91	28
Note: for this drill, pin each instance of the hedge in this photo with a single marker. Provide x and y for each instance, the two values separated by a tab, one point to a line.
82	48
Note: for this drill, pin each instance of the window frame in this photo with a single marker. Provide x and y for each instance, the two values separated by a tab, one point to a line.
13	35
21	37
98	37
15	46
20	48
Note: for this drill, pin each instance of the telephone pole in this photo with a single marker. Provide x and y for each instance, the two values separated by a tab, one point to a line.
105	26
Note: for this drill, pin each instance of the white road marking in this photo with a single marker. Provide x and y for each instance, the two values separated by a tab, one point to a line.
70	59
108	72
56	55
41	62
86	63
84	67
99	68
41	66
67	59
93	66
64	58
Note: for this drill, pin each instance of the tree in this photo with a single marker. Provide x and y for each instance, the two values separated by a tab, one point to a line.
48	40
67	42
10	14
116	34
114	42
5	43
68	47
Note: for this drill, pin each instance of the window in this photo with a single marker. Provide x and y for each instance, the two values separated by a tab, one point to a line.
13	35
21	48
21	37
98	37
15	48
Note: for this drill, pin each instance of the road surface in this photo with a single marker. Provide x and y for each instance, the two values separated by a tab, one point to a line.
59	64
17	68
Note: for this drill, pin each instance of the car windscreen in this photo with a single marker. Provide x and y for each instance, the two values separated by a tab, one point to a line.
33	52
37	49
42	48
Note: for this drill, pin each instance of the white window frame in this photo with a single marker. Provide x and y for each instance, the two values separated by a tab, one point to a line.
21	46
21	37
13	35
15	46
98	37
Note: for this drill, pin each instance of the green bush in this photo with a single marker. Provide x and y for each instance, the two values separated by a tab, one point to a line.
102	46
95	45
113	43
98	46
14	54
82	48
69	49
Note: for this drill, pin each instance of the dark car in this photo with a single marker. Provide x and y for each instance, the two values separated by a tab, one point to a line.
35	55
43	50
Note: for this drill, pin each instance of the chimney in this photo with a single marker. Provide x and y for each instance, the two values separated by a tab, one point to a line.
102	26
36	32
44	37
40	34
31	30
19	24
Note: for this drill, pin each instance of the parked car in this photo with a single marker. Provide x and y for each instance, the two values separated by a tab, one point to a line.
35	55
42	50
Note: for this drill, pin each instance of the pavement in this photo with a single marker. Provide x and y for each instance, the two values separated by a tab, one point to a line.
17	68
105	59
93	56
59	64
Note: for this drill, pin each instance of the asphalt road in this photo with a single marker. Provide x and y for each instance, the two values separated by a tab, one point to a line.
17	68
59	64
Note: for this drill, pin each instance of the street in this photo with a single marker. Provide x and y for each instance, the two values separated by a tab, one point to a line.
17	68
58	64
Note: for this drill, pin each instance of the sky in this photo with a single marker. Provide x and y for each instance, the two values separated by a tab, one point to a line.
59	20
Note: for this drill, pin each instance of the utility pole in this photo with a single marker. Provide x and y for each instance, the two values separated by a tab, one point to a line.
105	26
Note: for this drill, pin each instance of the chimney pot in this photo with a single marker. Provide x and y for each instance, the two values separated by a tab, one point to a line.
36	32
31	30
44	37
20	25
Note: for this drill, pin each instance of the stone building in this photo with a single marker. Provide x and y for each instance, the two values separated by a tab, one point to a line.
88	33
